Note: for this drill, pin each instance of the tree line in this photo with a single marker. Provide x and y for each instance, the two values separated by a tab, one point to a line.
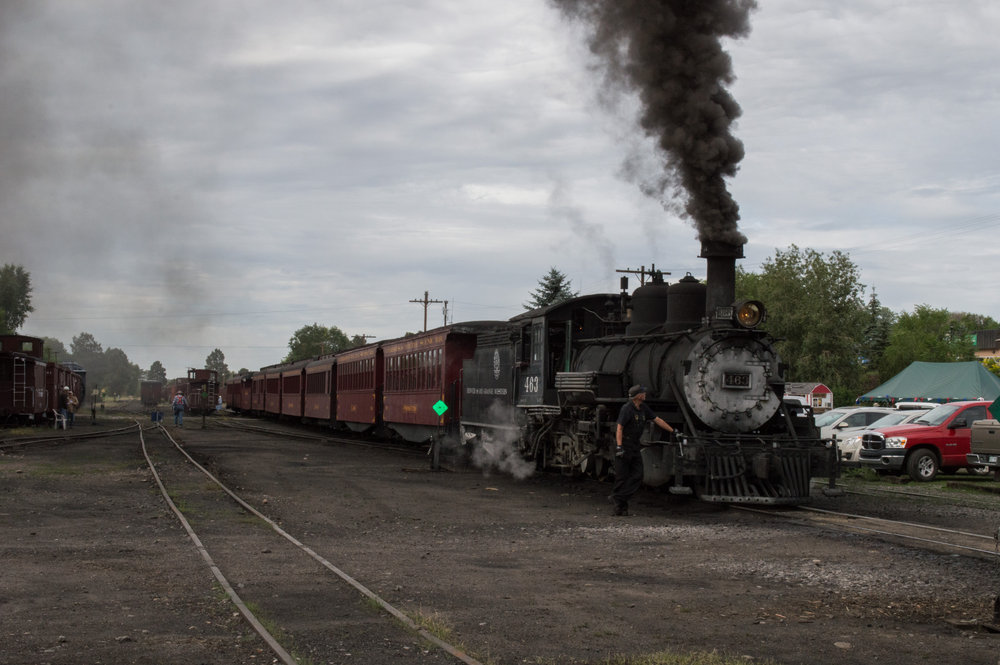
829	332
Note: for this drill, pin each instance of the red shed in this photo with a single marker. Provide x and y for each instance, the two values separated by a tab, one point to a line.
360	379
321	398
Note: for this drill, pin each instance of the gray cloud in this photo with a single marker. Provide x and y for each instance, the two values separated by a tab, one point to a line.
187	176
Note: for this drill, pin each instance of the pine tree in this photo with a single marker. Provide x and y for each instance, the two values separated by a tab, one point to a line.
552	288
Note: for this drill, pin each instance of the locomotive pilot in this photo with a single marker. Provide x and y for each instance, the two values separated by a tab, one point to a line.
632	420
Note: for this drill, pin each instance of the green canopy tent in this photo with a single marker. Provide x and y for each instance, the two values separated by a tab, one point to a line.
937	382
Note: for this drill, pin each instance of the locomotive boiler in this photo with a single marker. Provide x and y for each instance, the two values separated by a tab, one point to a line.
550	386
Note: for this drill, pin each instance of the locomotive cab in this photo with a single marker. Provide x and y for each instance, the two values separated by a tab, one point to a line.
547	339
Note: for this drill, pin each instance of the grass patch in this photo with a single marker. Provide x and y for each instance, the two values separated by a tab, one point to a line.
436	626
433	624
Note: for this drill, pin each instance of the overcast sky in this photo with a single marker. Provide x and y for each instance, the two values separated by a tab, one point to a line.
184	176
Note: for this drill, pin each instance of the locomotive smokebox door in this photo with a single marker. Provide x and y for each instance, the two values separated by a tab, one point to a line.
728	387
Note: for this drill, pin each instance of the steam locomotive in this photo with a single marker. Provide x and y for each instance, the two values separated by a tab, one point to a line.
544	389
552	384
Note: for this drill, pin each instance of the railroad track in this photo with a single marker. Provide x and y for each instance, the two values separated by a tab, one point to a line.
208	513
934	538
63	436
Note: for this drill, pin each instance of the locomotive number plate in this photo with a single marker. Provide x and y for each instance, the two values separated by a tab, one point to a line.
736	380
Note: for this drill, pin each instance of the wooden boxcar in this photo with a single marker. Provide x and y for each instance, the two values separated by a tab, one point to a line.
151	392
23	393
359	387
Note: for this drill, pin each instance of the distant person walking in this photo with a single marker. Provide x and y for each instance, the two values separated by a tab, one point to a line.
179	403
632	420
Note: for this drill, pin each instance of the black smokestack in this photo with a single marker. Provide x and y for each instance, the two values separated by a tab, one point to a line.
721	278
670	53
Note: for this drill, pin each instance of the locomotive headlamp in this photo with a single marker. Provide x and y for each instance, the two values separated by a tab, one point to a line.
751	313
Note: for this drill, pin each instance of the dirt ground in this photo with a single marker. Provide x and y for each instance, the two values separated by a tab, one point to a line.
97	570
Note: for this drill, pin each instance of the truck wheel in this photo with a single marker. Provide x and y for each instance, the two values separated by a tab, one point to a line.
922	466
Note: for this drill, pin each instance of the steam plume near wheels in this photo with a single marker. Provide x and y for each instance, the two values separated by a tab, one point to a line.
670	53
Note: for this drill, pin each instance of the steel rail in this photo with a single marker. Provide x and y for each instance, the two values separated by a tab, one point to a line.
895	534
254	622
18	442
365	591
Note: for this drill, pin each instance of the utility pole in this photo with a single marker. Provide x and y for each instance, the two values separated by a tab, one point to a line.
445	310
643	273
425	302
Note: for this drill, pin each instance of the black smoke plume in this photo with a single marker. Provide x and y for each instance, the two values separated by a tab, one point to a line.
670	53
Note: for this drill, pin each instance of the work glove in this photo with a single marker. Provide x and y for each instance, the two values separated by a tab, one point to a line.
619	452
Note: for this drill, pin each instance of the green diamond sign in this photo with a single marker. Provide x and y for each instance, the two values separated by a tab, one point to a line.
440	408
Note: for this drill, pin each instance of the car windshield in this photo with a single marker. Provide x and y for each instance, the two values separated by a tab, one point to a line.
890	419
937	415
828	418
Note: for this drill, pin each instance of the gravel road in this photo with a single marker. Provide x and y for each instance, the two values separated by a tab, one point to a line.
97	570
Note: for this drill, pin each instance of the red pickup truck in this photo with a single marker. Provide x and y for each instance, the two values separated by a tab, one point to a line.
936	441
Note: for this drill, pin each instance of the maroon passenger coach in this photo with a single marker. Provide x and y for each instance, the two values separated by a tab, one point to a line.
423	371
360	379
293	386
320	402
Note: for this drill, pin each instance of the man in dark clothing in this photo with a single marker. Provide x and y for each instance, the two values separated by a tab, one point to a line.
632	421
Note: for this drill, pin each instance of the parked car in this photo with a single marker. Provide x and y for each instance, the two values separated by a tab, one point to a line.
939	440
918	406
849	445
844	420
